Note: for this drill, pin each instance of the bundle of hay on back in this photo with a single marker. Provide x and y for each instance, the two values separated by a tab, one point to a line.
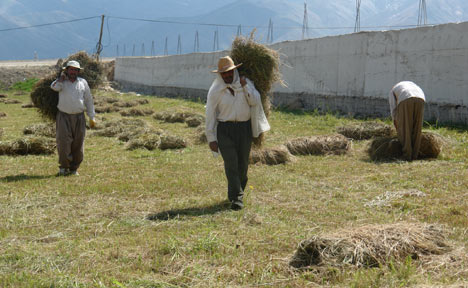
261	65
365	130
371	246
40	129
137	112
271	156
319	145
28	146
388	148
46	99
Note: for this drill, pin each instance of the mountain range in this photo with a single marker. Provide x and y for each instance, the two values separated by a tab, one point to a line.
144	27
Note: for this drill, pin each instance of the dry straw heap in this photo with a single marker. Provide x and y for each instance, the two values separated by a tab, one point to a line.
371	246
388	148
28	146
40	129
271	156
365	130
46	100
261	65
319	145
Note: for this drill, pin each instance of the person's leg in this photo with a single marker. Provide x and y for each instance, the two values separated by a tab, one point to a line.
64	139
77	145
405	125
245	144
418	117
227	147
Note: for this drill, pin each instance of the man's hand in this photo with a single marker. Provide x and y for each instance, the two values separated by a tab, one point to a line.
243	81
62	77
214	146
92	123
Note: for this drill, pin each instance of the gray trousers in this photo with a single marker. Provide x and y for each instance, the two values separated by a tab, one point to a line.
410	114
71	131
234	142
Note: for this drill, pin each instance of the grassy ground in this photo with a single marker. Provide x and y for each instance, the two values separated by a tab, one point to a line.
94	230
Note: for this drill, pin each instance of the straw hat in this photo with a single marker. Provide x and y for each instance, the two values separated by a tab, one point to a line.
74	64
225	64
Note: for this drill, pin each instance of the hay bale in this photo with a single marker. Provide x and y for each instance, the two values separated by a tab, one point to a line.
10	101
28	146
125	104
106	108
176	117
319	145
133	133
172	142
1	132
195	121
201	135
3	96
270	156
431	145
385	148
371	245
142	101
28	105
365	130
46	99
2	114
40	129
118	126
388	148
137	112
144	141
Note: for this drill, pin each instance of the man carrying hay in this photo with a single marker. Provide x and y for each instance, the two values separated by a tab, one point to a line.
407	108
228	125
74	97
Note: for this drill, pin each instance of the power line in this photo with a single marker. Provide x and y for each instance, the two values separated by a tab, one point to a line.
49	24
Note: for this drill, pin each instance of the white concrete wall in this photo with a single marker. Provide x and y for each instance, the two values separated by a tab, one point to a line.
335	73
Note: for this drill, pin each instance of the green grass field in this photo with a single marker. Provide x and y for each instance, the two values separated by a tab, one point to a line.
93	230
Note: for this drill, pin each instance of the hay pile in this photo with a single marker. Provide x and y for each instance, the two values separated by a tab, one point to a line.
46	100
271	156
365	130
201	138
371	246
2	114
1	133
28	105
115	127
319	145
151	141
195	121
261	65
41	129
137	112
175	117
9	101
28	146
388	148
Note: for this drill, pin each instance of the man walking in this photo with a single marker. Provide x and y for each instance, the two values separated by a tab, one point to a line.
228	126
74	98
407	108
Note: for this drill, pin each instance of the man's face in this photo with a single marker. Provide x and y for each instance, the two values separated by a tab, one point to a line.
228	76
72	72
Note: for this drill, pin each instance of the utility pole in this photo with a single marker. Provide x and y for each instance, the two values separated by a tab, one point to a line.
153	51
239	30
216	40
133	51
125	50
357	23
305	23
99	45
165	48
422	13
179	46
118	50
196	45
143	52
270	32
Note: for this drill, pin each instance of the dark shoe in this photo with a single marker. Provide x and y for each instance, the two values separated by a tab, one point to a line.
74	172
63	172
237	205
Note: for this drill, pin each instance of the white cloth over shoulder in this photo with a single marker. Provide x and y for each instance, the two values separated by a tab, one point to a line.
402	91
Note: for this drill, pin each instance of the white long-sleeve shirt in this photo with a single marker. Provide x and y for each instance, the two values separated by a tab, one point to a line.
402	91
74	97
222	106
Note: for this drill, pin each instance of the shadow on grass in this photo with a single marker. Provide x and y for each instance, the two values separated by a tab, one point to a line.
192	211
23	177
